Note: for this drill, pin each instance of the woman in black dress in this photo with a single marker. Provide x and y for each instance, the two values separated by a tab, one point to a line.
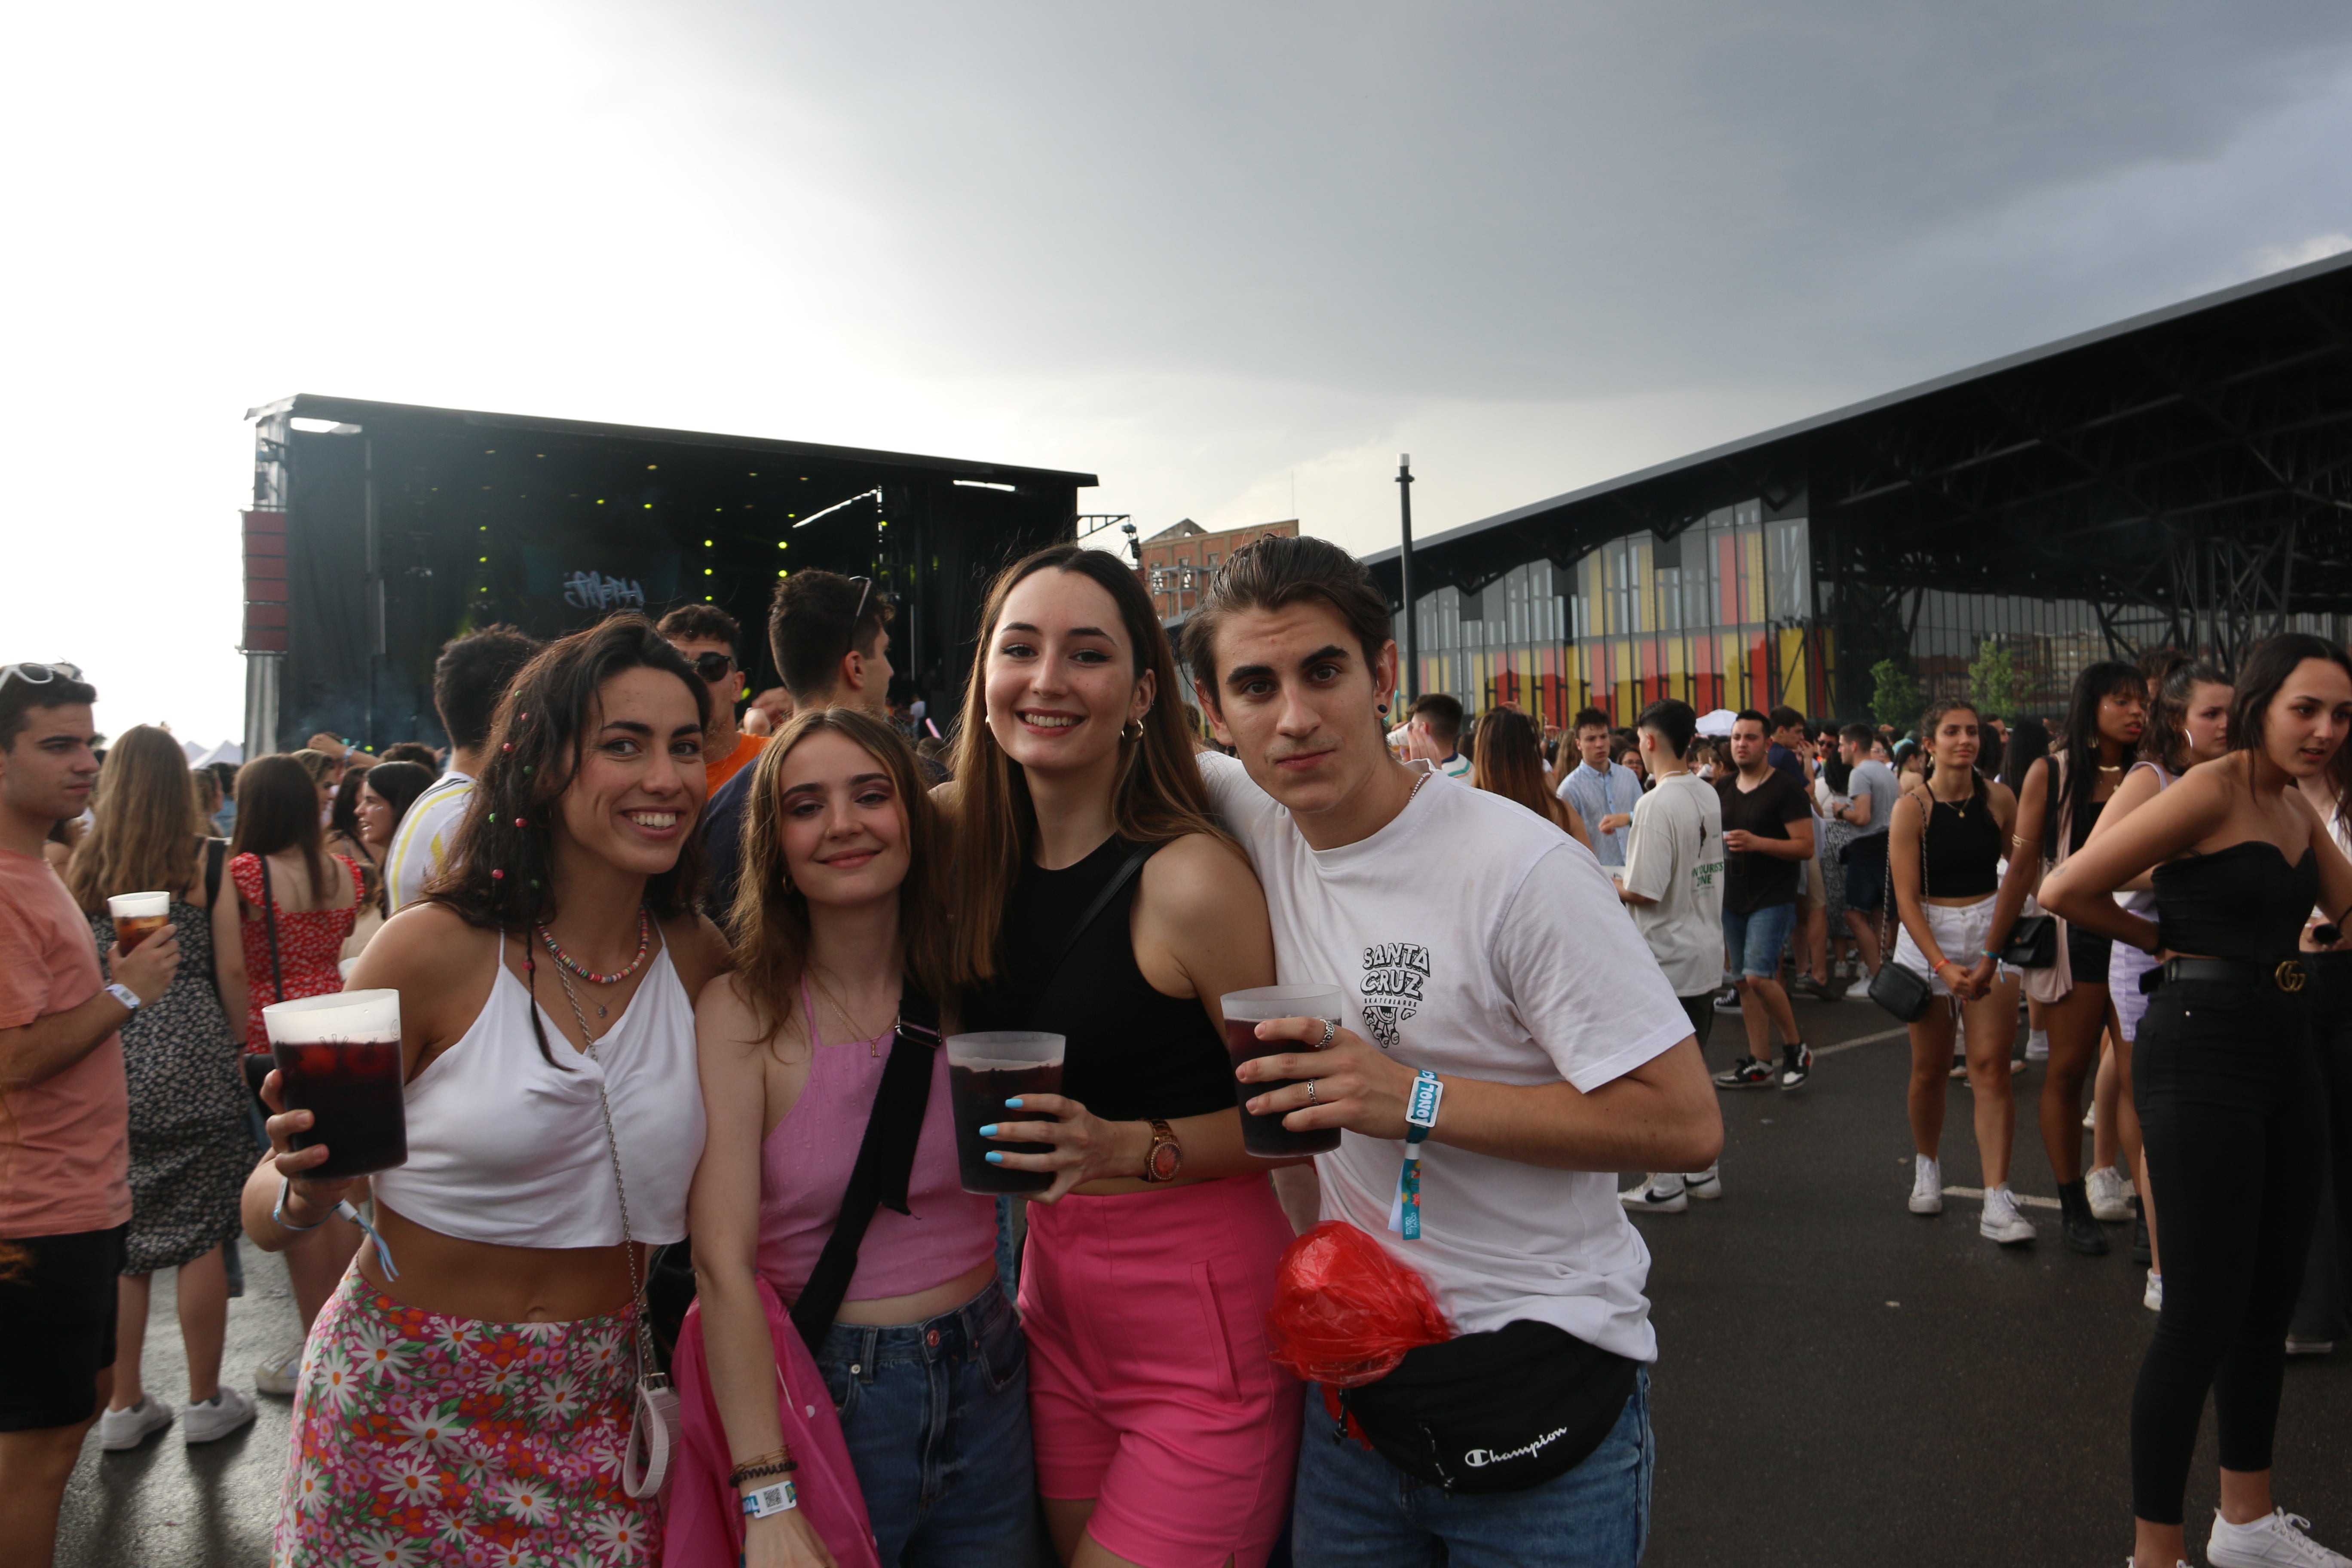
2227	1083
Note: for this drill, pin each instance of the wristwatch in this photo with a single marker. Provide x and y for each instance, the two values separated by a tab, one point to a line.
124	995
1165	1158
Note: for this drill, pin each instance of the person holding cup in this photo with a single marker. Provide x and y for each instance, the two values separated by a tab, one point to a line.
148	862
1095	899
840	917
483	1395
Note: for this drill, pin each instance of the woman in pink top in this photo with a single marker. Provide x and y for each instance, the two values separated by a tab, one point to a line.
839	916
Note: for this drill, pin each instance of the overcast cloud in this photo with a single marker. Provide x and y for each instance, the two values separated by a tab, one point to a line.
1222	255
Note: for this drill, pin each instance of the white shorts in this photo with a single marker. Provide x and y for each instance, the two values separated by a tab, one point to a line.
1960	932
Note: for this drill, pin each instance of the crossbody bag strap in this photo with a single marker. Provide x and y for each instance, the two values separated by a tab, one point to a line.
215	856
269	918
1093	912
1888	918
886	1160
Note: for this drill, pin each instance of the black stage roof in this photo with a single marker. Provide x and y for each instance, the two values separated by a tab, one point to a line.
2197	459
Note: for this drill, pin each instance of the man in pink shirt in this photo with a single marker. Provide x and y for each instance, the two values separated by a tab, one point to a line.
65	1193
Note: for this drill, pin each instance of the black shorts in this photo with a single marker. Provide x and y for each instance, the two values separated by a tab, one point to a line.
1866	871
2088	957
1700	1011
56	1326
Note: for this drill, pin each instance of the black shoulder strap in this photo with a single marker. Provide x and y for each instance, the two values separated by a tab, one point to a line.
1093	912
215	856
886	1158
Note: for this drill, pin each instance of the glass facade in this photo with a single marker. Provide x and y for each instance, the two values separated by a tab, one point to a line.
1723	615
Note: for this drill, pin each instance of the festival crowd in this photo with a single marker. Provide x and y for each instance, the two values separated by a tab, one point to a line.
714	1237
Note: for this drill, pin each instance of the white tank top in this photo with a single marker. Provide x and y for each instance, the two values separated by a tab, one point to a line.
505	1148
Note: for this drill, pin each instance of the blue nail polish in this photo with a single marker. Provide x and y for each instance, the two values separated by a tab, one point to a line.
988	1131
1013	1104
996	1156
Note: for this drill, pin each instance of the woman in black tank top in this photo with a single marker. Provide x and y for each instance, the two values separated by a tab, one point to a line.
1150	1258
2057	807
2226	1081
1945	877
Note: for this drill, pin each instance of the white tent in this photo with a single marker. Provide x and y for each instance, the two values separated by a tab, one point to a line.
1716	723
227	751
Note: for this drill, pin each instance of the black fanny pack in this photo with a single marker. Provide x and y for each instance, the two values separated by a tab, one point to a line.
1496	1412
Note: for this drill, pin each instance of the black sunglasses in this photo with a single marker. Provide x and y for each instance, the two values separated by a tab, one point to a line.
711	665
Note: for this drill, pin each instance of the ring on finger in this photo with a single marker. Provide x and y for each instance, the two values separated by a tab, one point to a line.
1330	1029
1311	1092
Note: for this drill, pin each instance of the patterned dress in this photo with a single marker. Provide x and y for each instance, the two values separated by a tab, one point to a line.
309	947
422	1439
190	1148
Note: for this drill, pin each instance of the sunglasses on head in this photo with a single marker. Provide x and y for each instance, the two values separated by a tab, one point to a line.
39	674
711	665
850	645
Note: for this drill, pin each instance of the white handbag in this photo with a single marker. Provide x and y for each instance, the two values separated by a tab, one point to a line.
654	1420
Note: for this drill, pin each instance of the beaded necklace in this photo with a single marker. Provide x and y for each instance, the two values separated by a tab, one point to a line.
645	946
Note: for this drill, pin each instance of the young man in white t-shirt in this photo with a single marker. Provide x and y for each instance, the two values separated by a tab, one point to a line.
1484	950
469	678
1674	884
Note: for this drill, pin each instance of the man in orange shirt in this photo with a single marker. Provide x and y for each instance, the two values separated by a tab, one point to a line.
707	635
65	1162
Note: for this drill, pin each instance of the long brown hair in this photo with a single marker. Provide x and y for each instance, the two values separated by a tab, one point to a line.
771	917
278	809
1507	759
1159	797
144	838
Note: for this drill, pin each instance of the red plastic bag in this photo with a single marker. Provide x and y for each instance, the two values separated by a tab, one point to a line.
1345	1312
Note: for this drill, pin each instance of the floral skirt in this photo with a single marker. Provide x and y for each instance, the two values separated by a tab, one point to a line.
421	1438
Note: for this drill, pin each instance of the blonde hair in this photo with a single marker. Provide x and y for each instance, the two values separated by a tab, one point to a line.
1507	760
147	829
771	917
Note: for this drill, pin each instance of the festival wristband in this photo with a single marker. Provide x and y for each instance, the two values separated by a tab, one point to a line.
1420	1116
778	1499
124	995
382	1252
278	1210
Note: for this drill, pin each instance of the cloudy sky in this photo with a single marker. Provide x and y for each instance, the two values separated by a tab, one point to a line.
1233	258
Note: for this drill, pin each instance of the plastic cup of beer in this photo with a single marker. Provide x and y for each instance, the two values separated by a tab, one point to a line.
138	916
339	1058
1244	1010
984	1070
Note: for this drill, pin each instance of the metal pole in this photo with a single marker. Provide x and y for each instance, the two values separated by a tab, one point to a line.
1404	578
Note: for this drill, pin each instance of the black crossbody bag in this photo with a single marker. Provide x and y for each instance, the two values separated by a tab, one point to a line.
1496	1412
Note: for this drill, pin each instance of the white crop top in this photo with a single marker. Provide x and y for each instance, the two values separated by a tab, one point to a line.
507	1149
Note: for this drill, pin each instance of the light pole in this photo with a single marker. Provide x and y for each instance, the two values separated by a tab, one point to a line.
1404	577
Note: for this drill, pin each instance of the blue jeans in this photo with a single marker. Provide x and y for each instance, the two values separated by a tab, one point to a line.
1753	942
937	1418
1355	1510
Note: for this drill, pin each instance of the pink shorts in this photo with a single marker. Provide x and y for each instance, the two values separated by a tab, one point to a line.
1150	1387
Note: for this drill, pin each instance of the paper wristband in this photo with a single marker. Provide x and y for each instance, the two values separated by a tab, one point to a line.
1420	1115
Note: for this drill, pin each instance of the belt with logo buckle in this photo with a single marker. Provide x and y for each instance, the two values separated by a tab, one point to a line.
2287	974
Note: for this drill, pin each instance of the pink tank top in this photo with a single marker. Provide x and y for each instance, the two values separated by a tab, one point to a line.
805	1168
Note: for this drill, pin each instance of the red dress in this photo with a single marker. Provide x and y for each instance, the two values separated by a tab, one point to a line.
309	943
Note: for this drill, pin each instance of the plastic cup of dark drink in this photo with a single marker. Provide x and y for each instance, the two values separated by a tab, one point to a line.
1265	1135
984	1070
339	1058
138	916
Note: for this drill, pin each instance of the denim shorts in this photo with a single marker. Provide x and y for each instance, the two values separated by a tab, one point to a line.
1753	942
1355	1510
936	1415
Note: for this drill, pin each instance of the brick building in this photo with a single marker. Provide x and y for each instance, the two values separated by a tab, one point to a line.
1176	561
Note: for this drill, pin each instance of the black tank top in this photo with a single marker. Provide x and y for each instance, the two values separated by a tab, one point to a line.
2244	902
1133	1053
1962	855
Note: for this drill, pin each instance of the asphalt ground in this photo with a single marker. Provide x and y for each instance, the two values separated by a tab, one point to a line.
1840	1383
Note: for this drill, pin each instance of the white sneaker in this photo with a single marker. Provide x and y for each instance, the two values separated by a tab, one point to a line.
2091	1118
2110	1195
1656	1196
2002	1222
1926	1186
279	1376
2276	1538
2037	1045
2153	1296
223	1413
1705	1186
133	1424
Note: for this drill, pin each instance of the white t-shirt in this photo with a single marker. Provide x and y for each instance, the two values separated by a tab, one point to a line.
422	841
1674	854
1477	940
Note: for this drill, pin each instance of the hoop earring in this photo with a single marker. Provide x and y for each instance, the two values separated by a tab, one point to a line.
1134	724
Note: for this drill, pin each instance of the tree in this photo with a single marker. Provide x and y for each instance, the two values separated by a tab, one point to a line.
1996	684
1895	696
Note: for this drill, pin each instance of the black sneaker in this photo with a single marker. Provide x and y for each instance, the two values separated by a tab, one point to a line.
1727	999
2078	1226
1806	986
2143	1248
1746	1073
1796	1065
